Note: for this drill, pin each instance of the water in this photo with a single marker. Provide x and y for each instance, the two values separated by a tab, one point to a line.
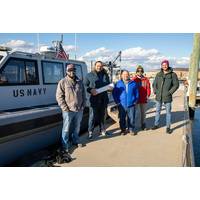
196	137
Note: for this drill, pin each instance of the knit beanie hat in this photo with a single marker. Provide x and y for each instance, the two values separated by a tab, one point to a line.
139	67
165	61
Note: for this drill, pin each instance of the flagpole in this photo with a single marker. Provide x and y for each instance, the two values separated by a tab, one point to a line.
38	42
75	45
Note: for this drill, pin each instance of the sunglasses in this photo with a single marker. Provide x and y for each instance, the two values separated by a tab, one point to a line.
71	70
139	70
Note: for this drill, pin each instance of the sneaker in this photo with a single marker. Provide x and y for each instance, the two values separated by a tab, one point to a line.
155	127
143	127
90	136
105	133
168	130
80	145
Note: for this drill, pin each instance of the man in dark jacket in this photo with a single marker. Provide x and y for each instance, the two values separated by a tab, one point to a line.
164	85
98	101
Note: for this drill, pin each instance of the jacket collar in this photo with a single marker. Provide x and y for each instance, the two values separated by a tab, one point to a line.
71	80
161	73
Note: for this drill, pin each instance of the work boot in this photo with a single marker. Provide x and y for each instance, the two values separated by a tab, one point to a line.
168	130
123	132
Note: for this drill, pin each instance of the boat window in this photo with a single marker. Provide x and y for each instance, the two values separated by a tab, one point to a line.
19	72
79	72
31	72
52	72
1	57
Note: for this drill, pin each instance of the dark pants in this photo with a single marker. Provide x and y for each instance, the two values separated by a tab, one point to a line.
96	116
127	118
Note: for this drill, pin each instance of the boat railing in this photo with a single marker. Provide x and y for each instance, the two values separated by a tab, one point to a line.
188	154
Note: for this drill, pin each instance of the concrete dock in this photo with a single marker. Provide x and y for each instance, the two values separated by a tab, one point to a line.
147	148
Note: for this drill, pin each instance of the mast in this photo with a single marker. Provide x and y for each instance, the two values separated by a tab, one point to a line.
38	42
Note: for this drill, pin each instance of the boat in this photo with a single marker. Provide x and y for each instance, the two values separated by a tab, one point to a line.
30	118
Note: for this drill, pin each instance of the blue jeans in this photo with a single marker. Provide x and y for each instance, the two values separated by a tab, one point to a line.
71	128
126	117
168	113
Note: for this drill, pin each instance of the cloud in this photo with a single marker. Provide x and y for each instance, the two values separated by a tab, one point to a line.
138	53
101	53
20	45
131	57
69	48
183	61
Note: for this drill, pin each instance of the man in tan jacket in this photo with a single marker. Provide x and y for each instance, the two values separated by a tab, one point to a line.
70	96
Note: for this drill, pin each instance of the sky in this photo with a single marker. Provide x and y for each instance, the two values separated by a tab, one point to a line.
146	49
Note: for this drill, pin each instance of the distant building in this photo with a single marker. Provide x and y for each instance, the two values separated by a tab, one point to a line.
182	73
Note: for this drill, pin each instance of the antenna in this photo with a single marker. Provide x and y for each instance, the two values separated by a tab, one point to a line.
75	44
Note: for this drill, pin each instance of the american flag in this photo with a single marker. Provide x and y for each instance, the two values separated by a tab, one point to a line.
61	52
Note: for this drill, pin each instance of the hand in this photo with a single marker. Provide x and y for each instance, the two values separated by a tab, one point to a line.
110	89
93	92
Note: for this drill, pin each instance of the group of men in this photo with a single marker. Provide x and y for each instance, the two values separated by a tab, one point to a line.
128	93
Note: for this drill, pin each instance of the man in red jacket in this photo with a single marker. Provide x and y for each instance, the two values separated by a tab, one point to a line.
144	93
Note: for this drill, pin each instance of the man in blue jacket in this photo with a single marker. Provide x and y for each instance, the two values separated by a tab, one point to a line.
125	94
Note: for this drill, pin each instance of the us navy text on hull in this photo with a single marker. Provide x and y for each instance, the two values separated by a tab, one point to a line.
29	92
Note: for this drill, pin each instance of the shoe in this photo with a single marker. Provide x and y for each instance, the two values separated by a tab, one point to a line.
155	127
133	133
90	136
143	127
168	130
65	152
108	134
80	145
77	145
105	133
123	132
63	156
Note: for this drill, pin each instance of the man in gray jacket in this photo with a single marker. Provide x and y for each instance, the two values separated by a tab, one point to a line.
70	96
164	86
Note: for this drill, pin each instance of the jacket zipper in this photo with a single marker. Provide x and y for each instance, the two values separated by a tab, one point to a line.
162	88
